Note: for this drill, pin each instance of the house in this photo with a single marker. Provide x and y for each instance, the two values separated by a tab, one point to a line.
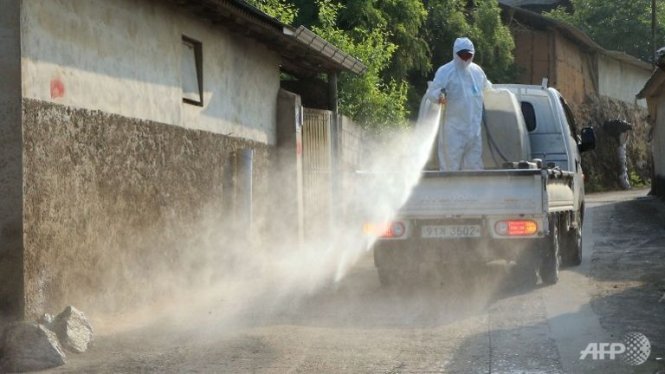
574	63
126	124
654	93
600	85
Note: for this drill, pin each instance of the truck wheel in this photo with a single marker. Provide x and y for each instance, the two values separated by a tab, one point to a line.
551	261
572	246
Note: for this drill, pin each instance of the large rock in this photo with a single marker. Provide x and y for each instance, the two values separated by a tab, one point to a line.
73	329
29	346
46	319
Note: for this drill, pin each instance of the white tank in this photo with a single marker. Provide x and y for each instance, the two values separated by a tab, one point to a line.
504	132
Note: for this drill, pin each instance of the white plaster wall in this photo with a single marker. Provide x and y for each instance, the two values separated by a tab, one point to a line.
123	57
620	80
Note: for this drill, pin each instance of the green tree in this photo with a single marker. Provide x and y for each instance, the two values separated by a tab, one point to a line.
400	41
616	25
494	42
403	21
480	20
367	98
280	9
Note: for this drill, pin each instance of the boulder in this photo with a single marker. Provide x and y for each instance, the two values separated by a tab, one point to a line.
46	319
29	346
73	329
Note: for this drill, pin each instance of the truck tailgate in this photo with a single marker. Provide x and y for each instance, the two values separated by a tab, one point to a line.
477	193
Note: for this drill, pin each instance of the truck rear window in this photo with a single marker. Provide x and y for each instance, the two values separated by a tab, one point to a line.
529	115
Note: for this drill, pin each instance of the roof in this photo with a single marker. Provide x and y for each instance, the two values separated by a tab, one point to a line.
302	51
653	85
539	21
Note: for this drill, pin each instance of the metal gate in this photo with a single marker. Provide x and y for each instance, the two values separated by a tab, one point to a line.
317	168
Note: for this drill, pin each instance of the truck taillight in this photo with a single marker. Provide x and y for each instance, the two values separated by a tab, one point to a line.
385	230
516	227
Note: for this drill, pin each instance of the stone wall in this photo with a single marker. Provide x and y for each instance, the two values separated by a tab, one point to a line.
116	209
601	165
11	195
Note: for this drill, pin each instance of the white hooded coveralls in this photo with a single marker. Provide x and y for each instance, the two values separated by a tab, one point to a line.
463	83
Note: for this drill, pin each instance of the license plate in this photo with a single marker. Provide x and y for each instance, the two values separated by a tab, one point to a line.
451	231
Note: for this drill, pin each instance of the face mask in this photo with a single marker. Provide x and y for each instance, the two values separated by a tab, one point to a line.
464	59
465	56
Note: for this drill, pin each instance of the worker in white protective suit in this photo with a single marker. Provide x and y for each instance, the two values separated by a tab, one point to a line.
460	85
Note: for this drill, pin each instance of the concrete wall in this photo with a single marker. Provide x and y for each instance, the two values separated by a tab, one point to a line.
619	80
11	164
124	57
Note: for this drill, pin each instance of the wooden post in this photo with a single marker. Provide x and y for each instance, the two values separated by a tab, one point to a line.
335	177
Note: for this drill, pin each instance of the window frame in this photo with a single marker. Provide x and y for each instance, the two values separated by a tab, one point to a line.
198	57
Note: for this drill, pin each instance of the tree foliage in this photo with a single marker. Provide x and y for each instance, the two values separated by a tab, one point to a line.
367	98
280	9
480	20
403	21
402	42
617	25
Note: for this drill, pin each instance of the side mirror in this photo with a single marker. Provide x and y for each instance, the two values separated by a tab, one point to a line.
588	140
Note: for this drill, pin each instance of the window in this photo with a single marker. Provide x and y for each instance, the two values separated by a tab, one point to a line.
191	71
529	115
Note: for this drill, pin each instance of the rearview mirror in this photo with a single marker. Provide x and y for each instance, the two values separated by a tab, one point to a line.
588	140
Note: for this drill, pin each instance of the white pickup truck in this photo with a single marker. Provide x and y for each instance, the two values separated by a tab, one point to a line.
527	213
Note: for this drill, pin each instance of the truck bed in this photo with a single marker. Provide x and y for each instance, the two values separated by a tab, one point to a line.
489	192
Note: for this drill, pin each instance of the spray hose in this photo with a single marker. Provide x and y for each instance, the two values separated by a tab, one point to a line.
492	144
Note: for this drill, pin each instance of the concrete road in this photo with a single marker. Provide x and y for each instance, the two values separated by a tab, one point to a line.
476	326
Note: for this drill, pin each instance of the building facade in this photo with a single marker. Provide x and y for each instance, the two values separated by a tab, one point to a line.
599	85
573	63
654	93
125	125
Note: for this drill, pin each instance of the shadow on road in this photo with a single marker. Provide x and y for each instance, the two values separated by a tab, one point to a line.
626	270
519	338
